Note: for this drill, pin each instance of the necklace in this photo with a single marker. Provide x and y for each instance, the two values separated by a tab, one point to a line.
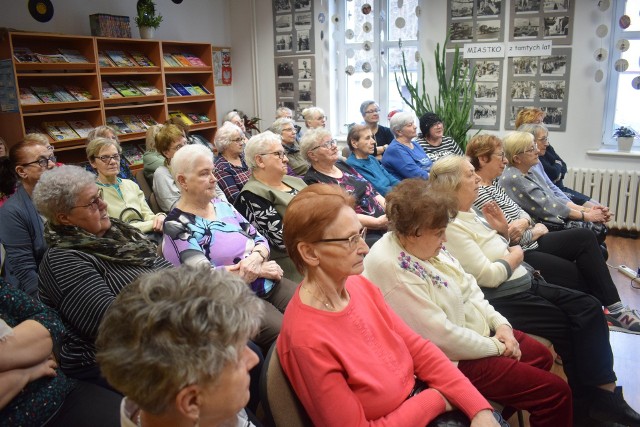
328	305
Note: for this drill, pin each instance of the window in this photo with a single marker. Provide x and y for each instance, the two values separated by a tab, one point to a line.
369	50
624	96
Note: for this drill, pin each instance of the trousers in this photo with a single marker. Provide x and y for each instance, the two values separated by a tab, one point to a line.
277	301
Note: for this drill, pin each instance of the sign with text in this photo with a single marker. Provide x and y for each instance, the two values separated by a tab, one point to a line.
529	48
483	50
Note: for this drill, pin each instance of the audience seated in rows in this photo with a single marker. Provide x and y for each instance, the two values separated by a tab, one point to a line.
287	131
405	158
382	135
433	141
314	117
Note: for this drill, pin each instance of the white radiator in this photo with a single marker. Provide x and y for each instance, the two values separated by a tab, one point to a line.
620	190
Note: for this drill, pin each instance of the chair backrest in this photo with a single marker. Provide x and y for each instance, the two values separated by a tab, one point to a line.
148	192
280	403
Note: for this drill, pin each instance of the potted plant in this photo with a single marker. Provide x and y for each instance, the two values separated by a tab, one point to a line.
147	20
625	136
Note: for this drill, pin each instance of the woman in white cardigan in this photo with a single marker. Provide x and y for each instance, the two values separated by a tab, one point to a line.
429	289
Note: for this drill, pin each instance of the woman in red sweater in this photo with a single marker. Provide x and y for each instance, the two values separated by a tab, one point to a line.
350	359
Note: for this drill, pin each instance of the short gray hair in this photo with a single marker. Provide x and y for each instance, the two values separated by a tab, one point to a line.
276	127
258	144
532	128
311	112
283	111
365	104
101	131
230	115
97	144
58	189
311	138
186	157
224	134
173	328
400	120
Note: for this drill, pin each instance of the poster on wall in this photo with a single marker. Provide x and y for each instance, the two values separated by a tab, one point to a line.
295	84
542	20
293	27
475	21
222	72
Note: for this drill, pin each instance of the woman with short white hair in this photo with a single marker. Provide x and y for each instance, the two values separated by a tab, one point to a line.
405	158
231	169
286	128
314	117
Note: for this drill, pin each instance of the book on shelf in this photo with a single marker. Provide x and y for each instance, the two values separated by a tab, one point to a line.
104	60
147	119
59	130
133	123
125	88
120	58
27	97
73	56
171	91
62	94
145	87
109	91
194	60
55	58
24	55
180	89
196	89
45	94
118	125
31	129
79	93
180	115
169	61
141	59
193	117
189	88
132	154
81	127
203	118
181	59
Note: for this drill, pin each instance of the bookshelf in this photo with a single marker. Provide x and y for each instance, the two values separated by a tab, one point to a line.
114	65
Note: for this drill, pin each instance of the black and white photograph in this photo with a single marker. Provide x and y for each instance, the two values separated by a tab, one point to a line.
282	6
302	21
303	44
284	69
486	91
556	26
461	31
289	104
552	90
488	30
461	9
553	65
302	4
284	43
525	66
526	27
304	92
285	90
304	69
514	110
283	23
487	70
489	7
556	5
527	6
523	89
553	116
299	109
484	114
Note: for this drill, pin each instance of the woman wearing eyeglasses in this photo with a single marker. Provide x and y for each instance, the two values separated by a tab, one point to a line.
202	229
350	359
90	259
405	158
321	150
382	135
433	141
108	132
265	197
21	227
124	198
230	167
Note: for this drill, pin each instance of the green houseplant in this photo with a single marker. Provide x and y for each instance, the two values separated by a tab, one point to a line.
147	20
625	136
455	93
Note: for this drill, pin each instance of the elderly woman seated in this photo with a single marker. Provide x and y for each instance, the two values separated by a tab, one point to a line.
349	357
361	143
199	320
108	132
202	229
287	131
124	198
382	135
570	258
428	288
314	117
321	150
433	141
91	258
230	168
151	159
405	158
265	197
573	321
33	390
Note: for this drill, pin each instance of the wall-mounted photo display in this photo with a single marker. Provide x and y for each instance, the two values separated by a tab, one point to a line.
542	20
541	82
475	21
295	85
293	27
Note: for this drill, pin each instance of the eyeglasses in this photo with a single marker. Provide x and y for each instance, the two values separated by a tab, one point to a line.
351	240
288	129
94	204
237	140
107	159
377	110
501	155
42	162
544	139
280	154
327	144
531	150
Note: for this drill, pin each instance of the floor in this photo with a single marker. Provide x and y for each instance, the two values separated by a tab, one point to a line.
626	347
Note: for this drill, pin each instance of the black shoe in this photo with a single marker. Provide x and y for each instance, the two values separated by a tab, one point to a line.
605	251
608	406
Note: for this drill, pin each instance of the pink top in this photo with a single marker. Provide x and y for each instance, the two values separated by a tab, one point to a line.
356	367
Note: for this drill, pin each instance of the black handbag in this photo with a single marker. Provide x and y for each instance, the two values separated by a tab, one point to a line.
458	419
600	230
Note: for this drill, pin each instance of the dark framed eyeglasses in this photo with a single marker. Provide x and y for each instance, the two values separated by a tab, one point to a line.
327	144
501	155
352	241
94	204
43	162
377	110
280	154
107	159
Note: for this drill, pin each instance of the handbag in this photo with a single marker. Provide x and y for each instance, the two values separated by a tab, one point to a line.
600	230
458	419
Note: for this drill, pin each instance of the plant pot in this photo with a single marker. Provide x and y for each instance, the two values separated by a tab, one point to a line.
147	32
625	143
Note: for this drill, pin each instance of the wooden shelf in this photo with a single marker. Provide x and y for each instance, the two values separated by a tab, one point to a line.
108	71
110	103
187	70
171	100
65	67
45	108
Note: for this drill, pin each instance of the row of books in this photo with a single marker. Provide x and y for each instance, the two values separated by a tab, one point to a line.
55	93
186	89
62	130
120	58
190	118
131	123
183	59
26	55
122	88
